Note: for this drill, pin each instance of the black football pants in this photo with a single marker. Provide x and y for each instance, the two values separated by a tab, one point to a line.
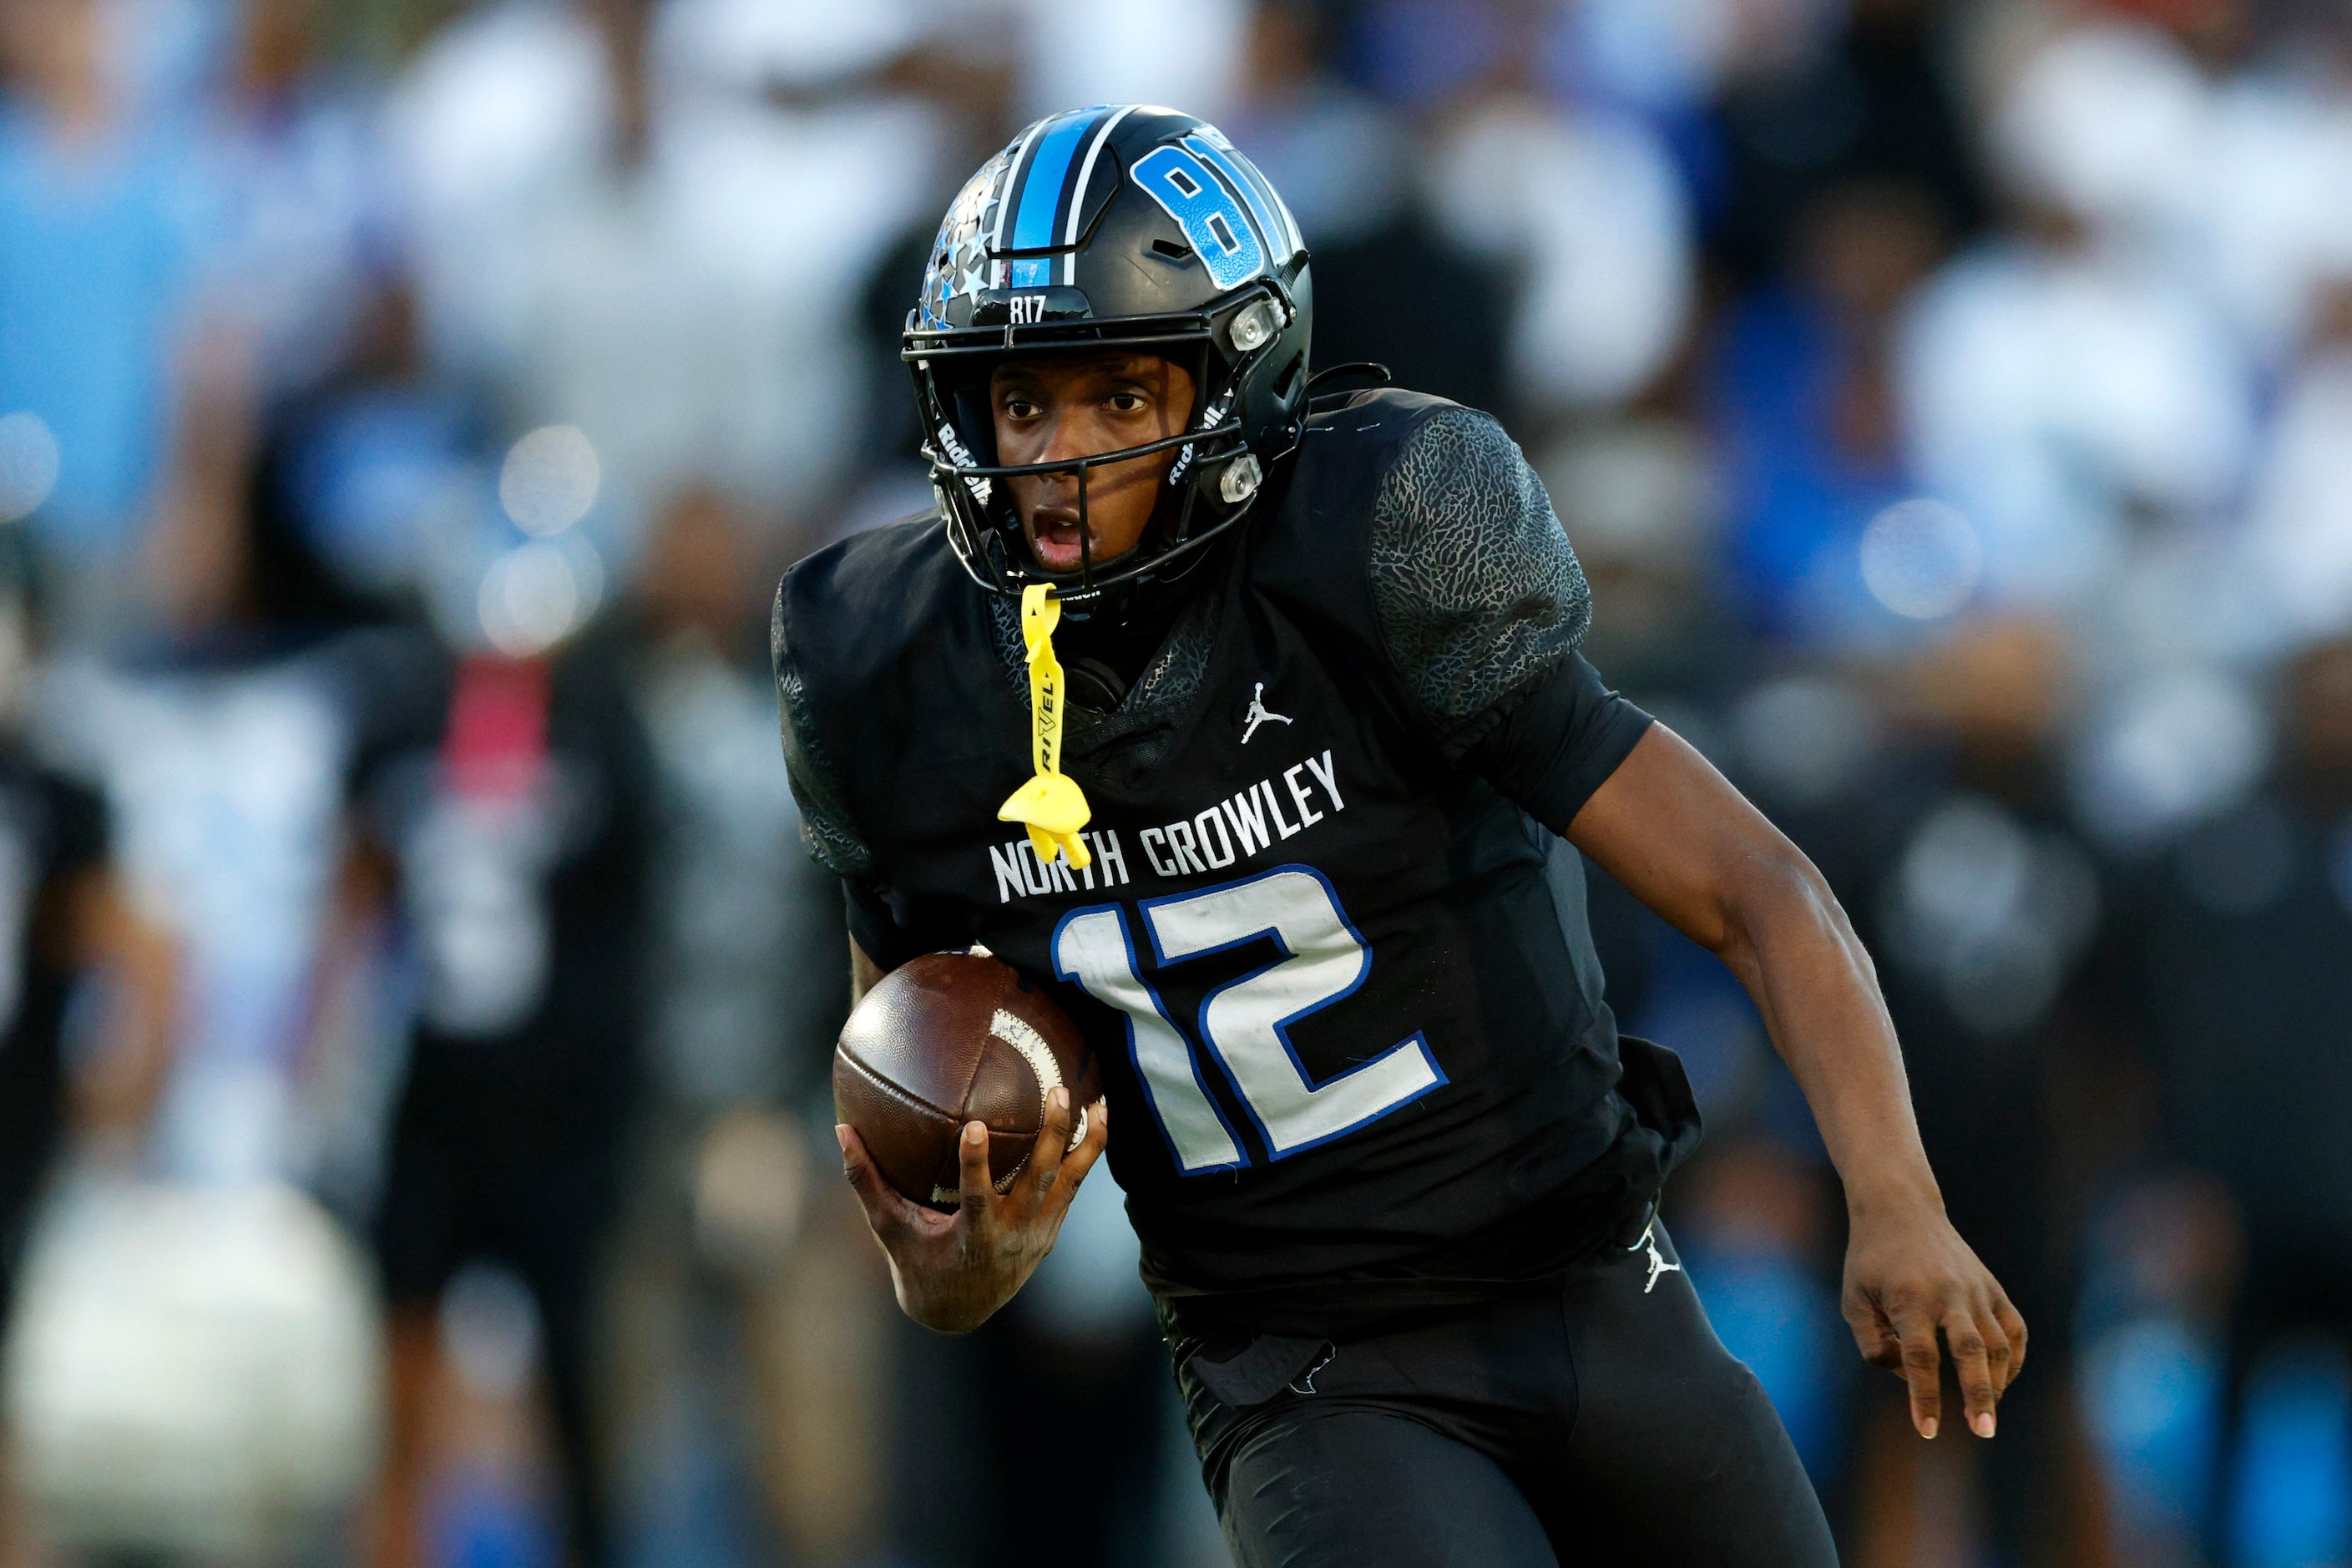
1597	1421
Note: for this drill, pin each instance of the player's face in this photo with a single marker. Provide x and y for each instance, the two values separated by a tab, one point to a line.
1047	410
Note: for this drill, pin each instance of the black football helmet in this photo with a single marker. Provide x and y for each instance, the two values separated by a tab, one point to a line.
1117	226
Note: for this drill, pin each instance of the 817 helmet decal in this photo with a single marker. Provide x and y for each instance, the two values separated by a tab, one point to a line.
1118	226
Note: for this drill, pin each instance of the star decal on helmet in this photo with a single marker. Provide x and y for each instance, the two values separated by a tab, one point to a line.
959	264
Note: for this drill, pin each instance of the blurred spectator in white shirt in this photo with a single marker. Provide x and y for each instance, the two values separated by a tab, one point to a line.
2060	382
2234	183
302	198
1186	56
2298	539
2101	123
2278	210
2049	392
661	254
1590	213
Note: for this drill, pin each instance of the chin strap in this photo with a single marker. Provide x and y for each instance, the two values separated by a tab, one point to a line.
1051	804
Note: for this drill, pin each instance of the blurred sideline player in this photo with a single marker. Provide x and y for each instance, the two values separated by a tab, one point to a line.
63	915
1306	887
507	798
732	1337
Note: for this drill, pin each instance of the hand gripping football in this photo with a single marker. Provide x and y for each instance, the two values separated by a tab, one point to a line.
950	1038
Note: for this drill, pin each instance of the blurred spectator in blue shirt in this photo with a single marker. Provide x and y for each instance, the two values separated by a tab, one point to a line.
99	224
1805	414
1818	95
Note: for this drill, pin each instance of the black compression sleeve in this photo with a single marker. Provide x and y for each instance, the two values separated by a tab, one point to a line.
891	930
1559	743
873	926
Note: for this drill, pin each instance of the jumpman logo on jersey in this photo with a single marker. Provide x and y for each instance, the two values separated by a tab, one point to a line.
1658	1264
1259	714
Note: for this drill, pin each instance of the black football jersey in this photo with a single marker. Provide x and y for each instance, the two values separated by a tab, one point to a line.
1339	982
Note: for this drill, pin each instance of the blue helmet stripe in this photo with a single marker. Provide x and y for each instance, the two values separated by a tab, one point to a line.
1078	190
1041	198
1279	246
1019	154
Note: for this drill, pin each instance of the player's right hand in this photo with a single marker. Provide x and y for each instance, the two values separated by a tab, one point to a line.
1908	1275
952	1272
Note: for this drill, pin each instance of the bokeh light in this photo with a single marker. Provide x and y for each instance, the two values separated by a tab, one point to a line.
550	479
534	596
2175	747
30	461
1921	559
1805	738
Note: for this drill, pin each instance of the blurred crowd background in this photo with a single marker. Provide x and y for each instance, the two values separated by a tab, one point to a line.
413	1101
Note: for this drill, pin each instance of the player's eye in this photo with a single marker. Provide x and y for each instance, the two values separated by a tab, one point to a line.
1019	407
1127	402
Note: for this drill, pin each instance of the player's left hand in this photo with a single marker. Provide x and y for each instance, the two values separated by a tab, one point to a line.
1907	1274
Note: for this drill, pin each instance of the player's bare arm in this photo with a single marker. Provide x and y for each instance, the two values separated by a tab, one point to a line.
1687	844
863	973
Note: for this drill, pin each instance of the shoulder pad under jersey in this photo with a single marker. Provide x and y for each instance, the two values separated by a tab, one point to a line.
1418	525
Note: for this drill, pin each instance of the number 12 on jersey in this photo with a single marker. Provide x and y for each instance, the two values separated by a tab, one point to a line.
1243	1021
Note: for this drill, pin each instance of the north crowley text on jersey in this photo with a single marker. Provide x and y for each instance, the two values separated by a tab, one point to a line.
1278	806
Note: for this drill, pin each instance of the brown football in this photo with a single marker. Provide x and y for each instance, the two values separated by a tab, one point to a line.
948	1038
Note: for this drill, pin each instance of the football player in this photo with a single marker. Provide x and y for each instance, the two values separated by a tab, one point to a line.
1252	720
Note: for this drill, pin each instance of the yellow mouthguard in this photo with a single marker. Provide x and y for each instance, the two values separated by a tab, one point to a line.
1051	804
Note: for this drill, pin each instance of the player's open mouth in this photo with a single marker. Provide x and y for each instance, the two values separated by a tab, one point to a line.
1056	538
